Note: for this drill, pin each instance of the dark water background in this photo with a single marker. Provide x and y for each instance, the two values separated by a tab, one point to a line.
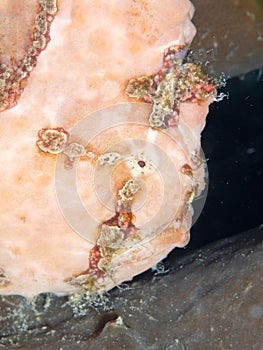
233	143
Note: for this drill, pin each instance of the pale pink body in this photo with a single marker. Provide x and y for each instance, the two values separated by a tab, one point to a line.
96	46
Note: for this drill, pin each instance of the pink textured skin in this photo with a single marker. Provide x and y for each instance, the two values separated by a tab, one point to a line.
96	46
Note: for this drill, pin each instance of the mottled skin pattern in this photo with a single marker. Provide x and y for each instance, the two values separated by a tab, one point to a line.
13	78
76	75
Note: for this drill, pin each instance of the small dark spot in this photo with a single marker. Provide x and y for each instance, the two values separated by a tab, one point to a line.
141	163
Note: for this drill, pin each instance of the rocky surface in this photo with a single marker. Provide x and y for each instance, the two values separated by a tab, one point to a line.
209	299
233	29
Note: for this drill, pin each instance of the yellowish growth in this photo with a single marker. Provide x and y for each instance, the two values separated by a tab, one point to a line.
139	87
129	190
190	195
110	158
110	237
176	82
52	140
74	149
13	77
50	6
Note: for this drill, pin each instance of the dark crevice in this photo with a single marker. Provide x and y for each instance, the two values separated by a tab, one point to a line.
103	320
